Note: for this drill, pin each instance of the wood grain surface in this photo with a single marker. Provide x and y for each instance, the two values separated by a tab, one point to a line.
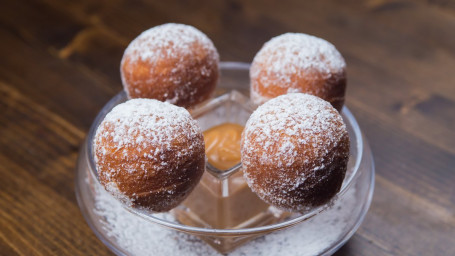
59	64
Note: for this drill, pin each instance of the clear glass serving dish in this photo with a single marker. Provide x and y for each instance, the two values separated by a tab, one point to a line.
222	211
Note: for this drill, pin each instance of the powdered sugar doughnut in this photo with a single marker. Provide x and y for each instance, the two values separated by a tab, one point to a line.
295	62
295	150
149	154
172	62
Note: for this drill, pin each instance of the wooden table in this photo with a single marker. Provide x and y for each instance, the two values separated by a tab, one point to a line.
59	64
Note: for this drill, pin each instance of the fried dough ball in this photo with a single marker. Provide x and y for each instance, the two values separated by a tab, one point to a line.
149	154
172	62
295	150
295	62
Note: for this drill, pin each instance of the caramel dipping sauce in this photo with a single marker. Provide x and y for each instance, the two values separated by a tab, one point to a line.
222	145
224	202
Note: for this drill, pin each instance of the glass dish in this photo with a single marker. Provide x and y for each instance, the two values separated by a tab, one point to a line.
231	97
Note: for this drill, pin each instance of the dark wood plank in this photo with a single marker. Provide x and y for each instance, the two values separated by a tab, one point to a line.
361	245
39	215
37	220
68	89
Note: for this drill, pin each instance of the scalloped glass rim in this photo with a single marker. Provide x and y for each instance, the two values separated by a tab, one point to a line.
120	97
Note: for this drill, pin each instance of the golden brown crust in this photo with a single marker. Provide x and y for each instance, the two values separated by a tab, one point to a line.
331	89
138	75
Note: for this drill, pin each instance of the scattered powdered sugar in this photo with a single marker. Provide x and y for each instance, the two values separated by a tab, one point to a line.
112	188
291	130
168	41
139	237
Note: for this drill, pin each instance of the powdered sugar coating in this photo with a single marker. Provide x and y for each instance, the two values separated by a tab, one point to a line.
169	40
292	147
296	62
172	62
149	153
